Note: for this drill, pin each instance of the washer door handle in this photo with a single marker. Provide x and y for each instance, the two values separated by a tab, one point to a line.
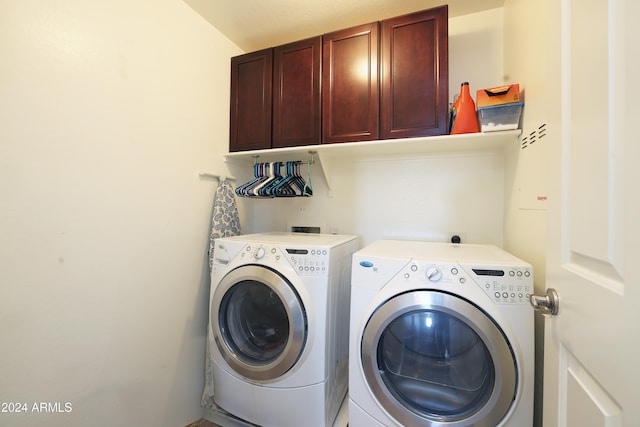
547	304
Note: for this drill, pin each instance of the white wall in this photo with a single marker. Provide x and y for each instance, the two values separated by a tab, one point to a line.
526	58
399	197
412	197
108	110
476	51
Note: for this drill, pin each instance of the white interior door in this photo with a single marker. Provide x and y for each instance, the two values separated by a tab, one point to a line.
592	345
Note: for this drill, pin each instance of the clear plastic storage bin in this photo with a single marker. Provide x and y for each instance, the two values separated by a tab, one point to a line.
500	117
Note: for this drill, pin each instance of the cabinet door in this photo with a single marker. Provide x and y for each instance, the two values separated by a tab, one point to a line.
296	93
350	94
250	115
414	74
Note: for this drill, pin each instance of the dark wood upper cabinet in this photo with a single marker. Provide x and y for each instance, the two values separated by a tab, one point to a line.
350	91
250	115
296	93
414	74
381	80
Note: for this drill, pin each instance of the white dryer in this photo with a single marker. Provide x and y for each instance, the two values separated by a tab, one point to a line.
441	335
279	317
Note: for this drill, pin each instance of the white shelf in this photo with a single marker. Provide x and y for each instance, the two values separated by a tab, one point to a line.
324	153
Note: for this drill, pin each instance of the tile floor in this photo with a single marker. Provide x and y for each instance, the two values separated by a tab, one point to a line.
202	423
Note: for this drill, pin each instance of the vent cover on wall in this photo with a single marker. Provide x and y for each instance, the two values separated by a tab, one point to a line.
534	136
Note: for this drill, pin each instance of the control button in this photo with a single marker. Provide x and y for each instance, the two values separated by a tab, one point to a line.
513	295
259	253
519	273
273	250
434	274
497	294
324	252
462	280
505	295
407	275
414	267
487	285
527	274
454	271
512	273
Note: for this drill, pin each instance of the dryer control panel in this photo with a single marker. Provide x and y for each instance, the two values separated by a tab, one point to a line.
502	284
511	285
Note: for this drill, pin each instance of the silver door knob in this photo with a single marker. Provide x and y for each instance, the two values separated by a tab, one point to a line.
548	304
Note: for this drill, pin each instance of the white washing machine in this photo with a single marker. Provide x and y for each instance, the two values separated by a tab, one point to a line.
441	335
278	332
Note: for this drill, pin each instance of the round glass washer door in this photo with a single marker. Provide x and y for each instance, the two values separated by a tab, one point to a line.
258	322
434	359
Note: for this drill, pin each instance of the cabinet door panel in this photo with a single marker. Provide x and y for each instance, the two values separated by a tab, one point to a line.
250	114
296	93
414	74
350	93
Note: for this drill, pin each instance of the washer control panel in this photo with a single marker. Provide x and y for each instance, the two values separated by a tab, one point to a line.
306	261
309	261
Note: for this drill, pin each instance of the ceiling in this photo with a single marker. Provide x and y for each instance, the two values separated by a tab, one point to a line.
258	24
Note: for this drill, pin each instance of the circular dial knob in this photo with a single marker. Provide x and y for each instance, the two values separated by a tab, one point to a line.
259	253
434	274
